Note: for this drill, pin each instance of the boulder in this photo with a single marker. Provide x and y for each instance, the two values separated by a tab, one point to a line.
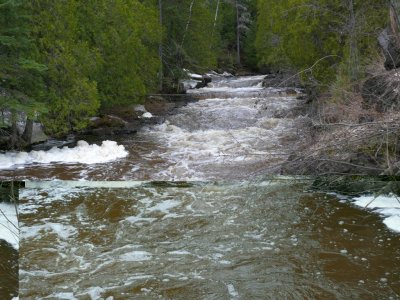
281	80
194	81
158	105
391	48
382	92
38	135
107	121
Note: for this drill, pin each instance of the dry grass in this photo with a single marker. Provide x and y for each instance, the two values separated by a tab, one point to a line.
350	137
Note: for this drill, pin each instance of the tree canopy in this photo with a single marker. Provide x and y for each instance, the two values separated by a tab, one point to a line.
64	60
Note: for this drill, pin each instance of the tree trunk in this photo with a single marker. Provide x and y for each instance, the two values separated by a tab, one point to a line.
188	22
237	35
160	47
215	17
354	59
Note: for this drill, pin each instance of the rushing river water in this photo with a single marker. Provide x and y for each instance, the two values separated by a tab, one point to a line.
237	129
225	231
270	239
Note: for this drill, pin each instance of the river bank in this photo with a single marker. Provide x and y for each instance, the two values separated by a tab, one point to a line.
356	141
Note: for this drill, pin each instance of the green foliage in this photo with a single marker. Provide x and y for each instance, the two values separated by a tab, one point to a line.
189	37
126	35
97	53
325	35
71	95
20	81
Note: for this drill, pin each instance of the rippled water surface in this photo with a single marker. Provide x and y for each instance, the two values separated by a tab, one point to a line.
237	129
271	239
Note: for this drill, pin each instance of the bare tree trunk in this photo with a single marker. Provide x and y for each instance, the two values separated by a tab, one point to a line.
237	34
188	22
216	16
354	59
160	47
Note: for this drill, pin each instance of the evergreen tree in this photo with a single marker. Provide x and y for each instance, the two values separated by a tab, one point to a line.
325	37
71	93
190	37
20	82
126	35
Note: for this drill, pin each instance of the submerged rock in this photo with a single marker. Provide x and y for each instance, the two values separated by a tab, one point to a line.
158	105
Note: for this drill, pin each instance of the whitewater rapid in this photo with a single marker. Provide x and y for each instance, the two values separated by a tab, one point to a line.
235	129
83	153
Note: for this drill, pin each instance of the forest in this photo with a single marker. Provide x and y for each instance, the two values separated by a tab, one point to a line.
63	61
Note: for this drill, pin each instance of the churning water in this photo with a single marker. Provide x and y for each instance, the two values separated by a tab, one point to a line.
234	238
271	239
237	129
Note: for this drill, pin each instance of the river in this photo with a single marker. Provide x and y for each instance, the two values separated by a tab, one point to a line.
270	239
184	210
237	129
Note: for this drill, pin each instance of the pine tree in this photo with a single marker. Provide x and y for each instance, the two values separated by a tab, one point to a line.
20	74
71	93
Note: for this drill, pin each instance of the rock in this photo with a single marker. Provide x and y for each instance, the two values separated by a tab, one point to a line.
281	80
382	92
391	49
189	84
158	105
107	121
38	135
194	81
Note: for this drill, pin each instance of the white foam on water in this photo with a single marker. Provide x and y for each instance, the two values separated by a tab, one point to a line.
95	292
232	291
62	230
164	206
9	230
83	153
225	89
63	296
179	252
388	206
136	256
147	115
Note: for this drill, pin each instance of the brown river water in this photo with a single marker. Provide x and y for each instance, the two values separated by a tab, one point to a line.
266	239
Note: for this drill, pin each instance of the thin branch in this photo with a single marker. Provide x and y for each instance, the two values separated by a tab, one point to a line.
308	69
